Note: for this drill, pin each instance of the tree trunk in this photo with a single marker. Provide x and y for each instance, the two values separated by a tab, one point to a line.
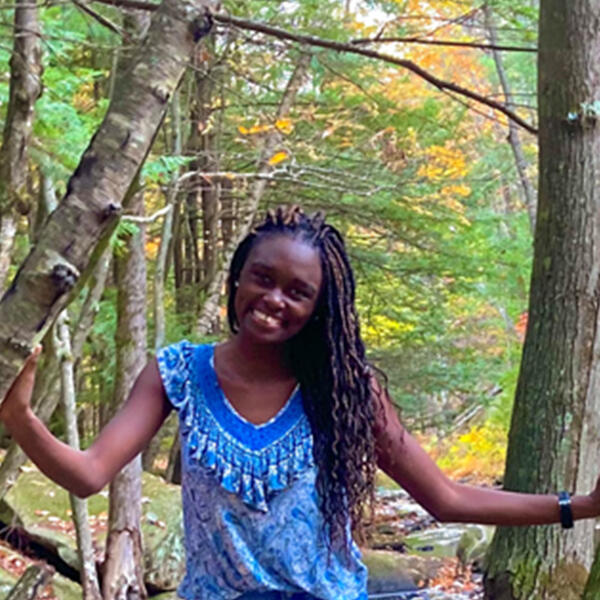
554	440
514	139
89	212
158	299
25	89
85	548
228	211
123	568
592	587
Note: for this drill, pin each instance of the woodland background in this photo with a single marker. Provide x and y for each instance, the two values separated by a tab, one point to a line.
411	123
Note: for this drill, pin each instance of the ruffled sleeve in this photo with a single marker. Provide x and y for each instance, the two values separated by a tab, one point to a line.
175	363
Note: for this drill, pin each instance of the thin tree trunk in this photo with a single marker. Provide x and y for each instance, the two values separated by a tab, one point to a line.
514	139
554	439
69	242
149	455
210	309
85	549
123	567
25	89
8	232
166	236
228	212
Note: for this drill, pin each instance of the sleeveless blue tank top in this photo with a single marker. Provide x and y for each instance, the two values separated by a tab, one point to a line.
251	516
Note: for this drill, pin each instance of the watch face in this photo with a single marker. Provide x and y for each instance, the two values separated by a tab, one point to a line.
564	505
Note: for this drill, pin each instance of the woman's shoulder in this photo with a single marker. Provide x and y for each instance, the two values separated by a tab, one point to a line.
176	364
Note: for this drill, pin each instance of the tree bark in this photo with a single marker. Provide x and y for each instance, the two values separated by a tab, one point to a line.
123	569
25	88
554	440
592	587
89	212
8	232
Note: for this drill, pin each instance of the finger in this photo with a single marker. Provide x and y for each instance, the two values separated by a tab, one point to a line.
26	375
32	359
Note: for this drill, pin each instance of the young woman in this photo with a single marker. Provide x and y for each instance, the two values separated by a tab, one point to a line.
282	428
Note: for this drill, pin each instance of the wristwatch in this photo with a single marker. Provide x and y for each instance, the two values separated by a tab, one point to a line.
566	514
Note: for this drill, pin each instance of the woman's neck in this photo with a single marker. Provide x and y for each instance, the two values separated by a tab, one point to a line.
256	361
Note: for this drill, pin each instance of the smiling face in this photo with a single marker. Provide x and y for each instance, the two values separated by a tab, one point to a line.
278	289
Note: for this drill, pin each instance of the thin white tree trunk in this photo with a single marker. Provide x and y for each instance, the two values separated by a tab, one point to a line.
85	548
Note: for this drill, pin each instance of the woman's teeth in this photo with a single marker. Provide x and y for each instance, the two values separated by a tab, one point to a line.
264	318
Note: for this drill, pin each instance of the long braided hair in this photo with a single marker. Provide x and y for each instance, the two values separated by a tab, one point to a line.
328	359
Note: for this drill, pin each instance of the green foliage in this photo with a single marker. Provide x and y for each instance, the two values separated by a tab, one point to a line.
162	169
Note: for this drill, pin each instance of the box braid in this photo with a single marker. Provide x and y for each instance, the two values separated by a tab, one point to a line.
328	360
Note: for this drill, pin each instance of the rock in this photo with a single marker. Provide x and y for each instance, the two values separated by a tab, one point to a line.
42	510
7	582
391	571
441	541
63	588
473	545
31	583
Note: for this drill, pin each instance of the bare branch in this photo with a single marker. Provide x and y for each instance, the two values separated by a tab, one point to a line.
151	218
102	20
416	40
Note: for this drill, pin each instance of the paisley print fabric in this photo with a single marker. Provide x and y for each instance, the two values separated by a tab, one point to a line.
253	528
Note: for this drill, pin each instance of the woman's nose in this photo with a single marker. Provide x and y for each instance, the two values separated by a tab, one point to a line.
274	298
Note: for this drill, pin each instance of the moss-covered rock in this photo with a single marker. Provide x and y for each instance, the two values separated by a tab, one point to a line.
391	571
42	509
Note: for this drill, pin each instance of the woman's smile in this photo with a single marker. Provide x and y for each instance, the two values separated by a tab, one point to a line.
267	320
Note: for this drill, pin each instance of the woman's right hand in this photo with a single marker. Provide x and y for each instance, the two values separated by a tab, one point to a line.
18	398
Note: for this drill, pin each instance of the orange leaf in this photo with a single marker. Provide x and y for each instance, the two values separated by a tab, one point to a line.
278	157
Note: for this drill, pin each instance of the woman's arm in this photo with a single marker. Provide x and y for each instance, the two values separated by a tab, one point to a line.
402	458
86	472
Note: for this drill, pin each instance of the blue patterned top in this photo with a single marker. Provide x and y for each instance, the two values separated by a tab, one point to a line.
250	507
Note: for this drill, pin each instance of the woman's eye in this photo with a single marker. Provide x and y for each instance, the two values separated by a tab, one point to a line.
263	278
297	293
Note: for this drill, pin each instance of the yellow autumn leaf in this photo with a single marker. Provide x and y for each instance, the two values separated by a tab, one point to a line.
243	130
258	129
284	125
278	157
